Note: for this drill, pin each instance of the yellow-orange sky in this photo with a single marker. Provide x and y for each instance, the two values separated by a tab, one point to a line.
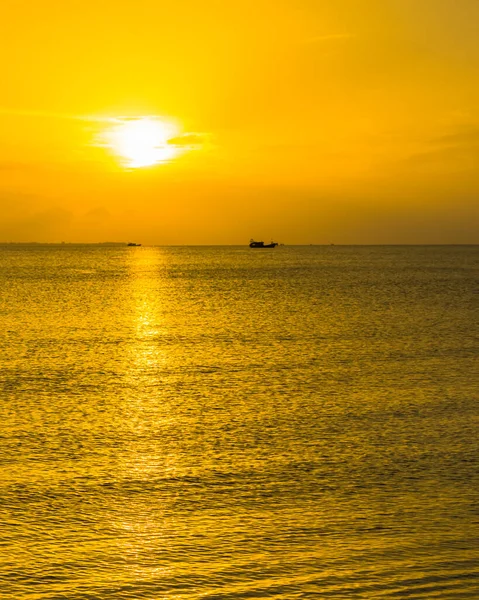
353	121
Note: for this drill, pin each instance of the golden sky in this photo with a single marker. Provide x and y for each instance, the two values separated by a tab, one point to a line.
199	121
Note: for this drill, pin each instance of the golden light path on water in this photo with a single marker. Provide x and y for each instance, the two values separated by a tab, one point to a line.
141	462
147	357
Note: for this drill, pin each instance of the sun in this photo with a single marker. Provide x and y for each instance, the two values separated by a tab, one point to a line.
142	141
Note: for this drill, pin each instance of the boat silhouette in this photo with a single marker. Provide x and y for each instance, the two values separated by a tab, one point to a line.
253	244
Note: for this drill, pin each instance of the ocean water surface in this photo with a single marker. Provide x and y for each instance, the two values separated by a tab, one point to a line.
221	423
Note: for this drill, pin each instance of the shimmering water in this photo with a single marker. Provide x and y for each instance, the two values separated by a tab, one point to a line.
226	423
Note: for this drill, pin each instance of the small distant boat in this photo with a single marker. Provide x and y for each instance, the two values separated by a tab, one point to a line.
253	244
133	244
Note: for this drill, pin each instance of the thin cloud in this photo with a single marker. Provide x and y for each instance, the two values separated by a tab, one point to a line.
5	111
462	138
458	150
129	119
188	139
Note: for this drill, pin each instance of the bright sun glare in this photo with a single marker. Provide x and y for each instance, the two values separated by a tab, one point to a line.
143	141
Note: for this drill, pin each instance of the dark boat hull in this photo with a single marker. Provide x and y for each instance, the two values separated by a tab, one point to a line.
262	245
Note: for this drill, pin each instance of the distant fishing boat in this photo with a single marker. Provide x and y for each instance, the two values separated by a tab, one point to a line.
253	244
133	244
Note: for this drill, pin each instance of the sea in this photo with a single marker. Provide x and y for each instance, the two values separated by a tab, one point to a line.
226	423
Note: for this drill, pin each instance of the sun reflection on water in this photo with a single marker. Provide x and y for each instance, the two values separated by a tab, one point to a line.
145	409
142	520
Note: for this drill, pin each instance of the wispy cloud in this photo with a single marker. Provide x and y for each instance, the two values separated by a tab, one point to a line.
188	139
11	112
469	137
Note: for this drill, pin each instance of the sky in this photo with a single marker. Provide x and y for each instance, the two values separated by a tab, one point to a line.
212	122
